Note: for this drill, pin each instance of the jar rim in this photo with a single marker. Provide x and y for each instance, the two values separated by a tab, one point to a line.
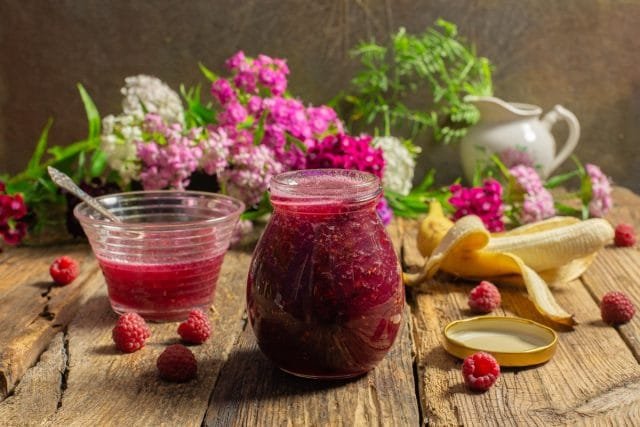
323	185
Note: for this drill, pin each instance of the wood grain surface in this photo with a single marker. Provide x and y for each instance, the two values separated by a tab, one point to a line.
593	379
594	376
34	308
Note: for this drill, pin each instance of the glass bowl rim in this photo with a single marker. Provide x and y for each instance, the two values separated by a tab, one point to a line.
86	219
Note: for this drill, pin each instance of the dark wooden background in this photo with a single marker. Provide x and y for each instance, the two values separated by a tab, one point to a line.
583	54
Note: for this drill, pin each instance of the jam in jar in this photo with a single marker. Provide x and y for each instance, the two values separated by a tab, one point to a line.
324	292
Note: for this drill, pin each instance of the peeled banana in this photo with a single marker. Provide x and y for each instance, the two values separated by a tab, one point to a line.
556	250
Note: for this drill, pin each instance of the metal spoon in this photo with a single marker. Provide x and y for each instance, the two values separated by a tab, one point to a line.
62	180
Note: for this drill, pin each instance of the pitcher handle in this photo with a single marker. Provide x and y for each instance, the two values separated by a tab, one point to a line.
559	112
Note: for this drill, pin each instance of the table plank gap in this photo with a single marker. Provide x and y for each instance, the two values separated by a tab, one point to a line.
44	308
102	381
37	395
252	391
594	373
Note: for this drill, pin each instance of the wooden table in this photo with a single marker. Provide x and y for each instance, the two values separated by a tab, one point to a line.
57	356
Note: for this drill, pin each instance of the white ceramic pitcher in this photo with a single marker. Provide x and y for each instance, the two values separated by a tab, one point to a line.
517	128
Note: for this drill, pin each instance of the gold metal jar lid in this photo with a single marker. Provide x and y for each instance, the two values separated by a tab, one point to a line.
513	341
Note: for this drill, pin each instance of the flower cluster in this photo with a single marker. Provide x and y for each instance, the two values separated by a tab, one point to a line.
121	133
254	103
342	151
399	164
600	201
535	202
12	211
484	201
170	158
511	157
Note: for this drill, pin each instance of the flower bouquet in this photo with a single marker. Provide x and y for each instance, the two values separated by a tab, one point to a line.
252	129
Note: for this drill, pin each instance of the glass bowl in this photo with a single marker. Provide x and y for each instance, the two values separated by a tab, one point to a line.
163	260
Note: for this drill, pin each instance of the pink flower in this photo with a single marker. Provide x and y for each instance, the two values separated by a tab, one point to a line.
215	151
513	157
170	161
601	201
485	202
251	169
346	152
538	202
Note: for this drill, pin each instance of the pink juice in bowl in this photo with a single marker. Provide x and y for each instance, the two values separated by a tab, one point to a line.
164	259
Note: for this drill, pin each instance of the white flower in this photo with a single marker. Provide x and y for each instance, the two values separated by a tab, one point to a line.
399	165
147	94
118	141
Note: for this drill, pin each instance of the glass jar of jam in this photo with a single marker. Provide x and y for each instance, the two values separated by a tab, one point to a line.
324	292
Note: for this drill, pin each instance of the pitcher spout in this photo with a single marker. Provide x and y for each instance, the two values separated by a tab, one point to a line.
495	110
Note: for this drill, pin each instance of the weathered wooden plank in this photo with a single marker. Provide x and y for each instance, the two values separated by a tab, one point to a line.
37	395
105	387
33	309
618	269
593	376
252	391
592	364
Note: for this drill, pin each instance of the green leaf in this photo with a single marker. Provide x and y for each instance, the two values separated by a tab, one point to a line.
427	181
259	132
98	164
93	116
563	209
34	163
558	180
210	75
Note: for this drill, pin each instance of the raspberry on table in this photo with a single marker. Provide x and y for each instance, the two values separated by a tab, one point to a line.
196	329
625	235
130	332
64	270
484	298
480	371
177	364
616	308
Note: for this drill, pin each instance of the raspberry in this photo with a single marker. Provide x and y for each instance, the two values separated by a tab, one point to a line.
625	235
616	308
484	298
130	332
177	364
480	371
64	270
196	329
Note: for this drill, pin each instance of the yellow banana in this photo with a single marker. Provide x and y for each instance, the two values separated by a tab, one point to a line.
433	228
556	250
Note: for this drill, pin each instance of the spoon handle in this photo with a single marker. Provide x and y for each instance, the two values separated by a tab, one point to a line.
62	180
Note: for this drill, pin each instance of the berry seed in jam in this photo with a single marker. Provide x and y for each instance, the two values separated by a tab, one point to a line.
324	292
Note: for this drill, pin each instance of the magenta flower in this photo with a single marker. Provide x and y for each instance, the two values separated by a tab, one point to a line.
346	152
384	211
254	96
601	201
222	91
484	202
12	210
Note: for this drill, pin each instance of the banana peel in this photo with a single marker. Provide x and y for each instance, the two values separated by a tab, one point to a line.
554	251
